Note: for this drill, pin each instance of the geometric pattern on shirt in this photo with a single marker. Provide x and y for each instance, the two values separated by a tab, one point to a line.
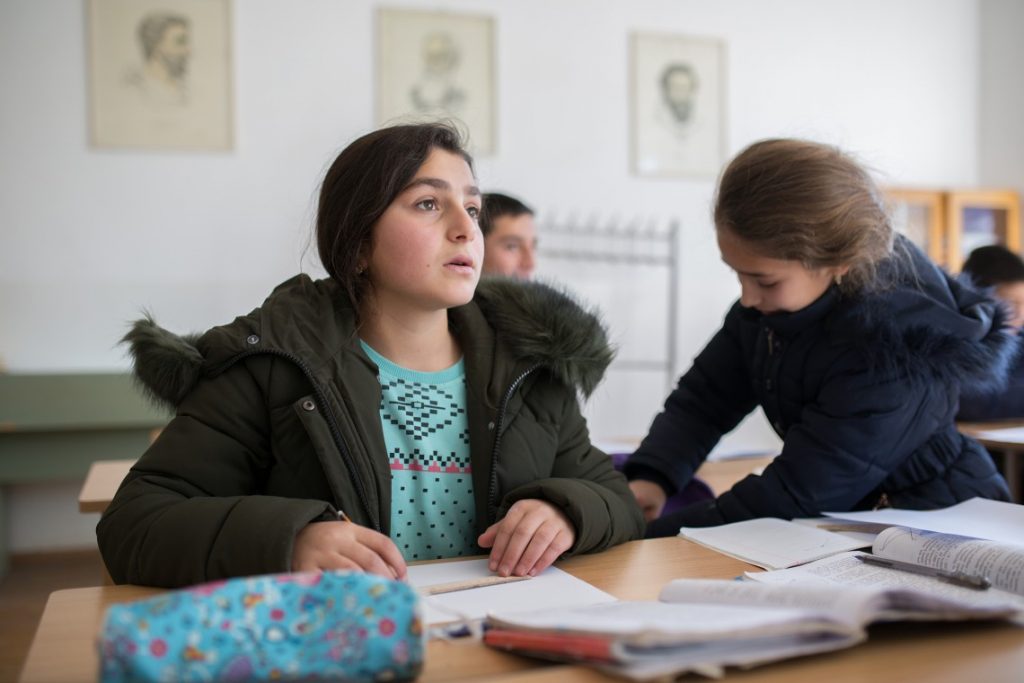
433	509
417	461
419	410
433	515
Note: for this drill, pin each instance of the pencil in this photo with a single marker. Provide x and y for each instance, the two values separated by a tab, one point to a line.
959	578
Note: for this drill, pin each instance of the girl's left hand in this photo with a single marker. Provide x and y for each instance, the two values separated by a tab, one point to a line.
528	539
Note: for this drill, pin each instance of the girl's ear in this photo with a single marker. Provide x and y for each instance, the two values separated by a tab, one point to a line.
838	272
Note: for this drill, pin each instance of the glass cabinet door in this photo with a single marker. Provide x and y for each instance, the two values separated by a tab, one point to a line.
977	218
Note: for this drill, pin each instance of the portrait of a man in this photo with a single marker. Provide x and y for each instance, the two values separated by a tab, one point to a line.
160	74
437	65
677	105
164	51
437	89
679	94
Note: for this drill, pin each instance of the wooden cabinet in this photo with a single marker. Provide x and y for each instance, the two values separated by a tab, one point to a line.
948	224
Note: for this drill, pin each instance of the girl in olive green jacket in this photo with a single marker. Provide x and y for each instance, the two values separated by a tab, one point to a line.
393	412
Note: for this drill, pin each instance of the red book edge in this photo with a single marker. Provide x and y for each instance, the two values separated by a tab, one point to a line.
564	645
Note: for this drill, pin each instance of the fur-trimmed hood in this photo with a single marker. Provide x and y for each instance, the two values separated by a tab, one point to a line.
310	320
933	322
920	321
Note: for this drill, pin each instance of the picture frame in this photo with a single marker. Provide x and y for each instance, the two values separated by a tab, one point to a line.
437	65
677	107
160	74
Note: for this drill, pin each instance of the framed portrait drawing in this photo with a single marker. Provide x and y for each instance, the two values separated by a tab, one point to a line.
437	65
677	105
160	74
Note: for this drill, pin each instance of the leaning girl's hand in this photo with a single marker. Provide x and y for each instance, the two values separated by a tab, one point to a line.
528	539
649	496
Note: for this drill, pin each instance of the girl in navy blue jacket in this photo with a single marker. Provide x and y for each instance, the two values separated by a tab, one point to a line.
854	345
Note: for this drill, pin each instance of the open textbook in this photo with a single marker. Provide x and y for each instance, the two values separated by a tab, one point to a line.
703	625
1002	564
777	544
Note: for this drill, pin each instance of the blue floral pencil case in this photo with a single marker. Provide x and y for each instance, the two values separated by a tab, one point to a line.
334	626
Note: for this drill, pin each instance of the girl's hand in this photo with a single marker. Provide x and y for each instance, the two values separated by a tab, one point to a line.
345	545
650	496
528	539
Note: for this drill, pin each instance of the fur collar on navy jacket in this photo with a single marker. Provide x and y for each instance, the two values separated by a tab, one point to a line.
921	321
540	323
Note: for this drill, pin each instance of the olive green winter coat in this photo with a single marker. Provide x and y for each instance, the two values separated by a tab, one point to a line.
277	425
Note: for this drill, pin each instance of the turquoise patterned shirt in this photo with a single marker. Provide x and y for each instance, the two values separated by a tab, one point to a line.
426	433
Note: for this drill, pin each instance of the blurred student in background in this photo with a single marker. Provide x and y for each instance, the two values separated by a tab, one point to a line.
510	236
999	270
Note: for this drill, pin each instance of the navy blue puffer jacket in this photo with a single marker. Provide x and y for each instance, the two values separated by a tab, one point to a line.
863	390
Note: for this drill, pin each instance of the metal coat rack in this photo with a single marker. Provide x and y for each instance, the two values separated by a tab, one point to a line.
634	244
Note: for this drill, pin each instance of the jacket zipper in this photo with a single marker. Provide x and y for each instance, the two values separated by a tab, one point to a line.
321	400
771	372
492	490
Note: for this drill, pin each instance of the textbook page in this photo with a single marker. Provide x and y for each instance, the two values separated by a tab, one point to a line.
918	597
772	543
552	588
992	520
852	607
1002	564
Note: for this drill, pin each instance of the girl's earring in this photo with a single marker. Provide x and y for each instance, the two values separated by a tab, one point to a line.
839	279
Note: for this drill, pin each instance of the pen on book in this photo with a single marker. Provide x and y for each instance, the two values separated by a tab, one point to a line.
959	578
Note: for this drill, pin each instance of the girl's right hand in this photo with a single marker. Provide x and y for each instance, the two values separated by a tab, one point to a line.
650	496
345	545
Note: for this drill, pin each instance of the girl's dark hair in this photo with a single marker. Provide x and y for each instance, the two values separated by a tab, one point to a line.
804	201
360	185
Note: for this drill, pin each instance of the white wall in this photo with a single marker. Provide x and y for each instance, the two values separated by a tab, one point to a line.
89	236
1000	134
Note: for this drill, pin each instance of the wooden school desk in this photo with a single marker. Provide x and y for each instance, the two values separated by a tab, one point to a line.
63	650
101	484
1011	448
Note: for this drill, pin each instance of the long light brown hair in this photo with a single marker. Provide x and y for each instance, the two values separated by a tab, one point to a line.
805	201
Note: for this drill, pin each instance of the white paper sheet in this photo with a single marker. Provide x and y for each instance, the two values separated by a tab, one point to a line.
552	588
978	517
1009	434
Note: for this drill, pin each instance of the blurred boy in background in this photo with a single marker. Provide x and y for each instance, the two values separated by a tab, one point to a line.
510	236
